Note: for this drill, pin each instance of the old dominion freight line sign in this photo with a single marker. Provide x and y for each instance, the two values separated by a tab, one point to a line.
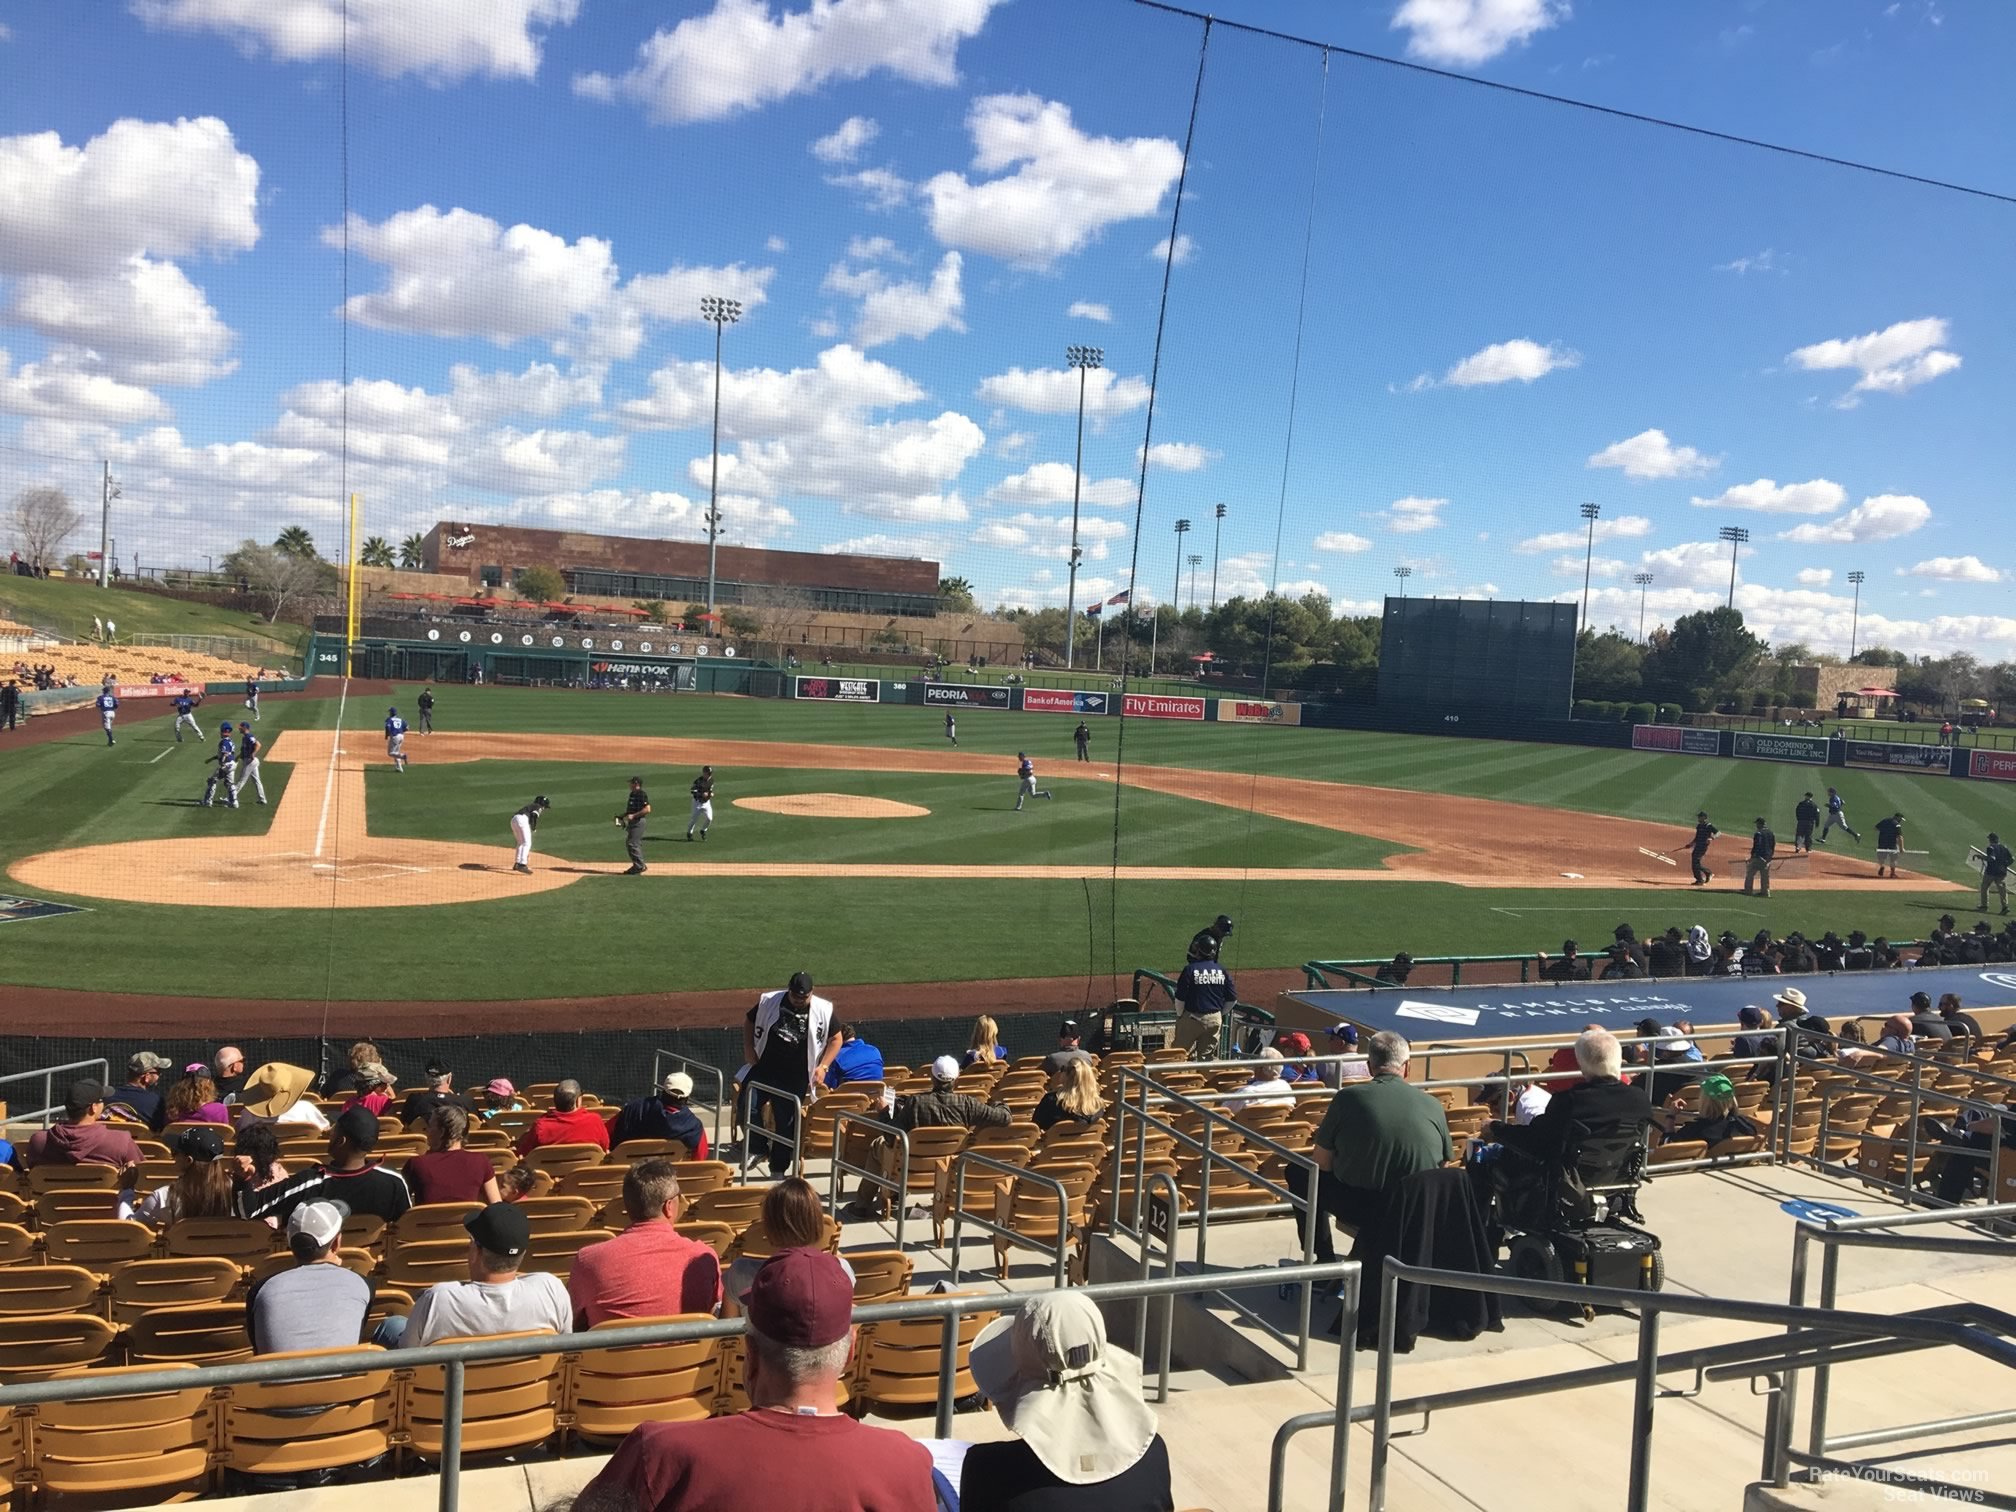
1809	749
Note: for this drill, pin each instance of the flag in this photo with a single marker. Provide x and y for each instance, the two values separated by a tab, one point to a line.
1095	611
1119	598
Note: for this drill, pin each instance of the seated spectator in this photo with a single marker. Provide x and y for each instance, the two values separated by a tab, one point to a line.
362	1053
1925	1024
1267	1089
1828	952
567	1123
650	1270
1666	956
665	1115
202	1187
518	1183
1809	1029
227	1069
277	1093
1068	1049
944	1106
1728	958
194	1098
1563	1061
1620	967
1719	1118
1852	1048
1344	1041
1953	1174
858	1061
793	1449
376	1089
448	1172
1567	967
83	1137
1751	1017
1084	1438
1626	936
1798	955
985	1045
1959	1025
500	1096
1515	1161
348	1176
1897	1036
1295	1050
497	1298
1396	970
794	1219
1072	1101
438	1093
1700	953
320	1303
139	1097
255	1151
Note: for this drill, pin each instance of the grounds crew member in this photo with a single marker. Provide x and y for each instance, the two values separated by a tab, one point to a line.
1804	817
1703	833
1995	862
635	809
1763	846
1889	839
1205	990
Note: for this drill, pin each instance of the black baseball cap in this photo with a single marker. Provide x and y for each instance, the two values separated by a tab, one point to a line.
501	1228
1068	1026
359	1126
801	983
1921	1000
200	1144
83	1094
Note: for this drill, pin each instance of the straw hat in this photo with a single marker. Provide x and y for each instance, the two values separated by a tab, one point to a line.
1072	1397
273	1088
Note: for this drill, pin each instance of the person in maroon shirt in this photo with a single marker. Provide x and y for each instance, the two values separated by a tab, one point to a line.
792	1448
84	1138
567	1123
650	1270
447	1172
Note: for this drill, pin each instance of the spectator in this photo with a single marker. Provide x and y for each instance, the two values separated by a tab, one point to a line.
1620	967
1728	958
362	1053
793	1448
348	1176
84	1138
1599	1105
1563	1061
194	1098
789	1040
567	1123
650	1270
227	1068
1569	967
1809	1028
1295	1050
500	1096
448	1172
1700	954
1953	1174
1751	1018
944	1106
1344	1041
1530	1102
858	1061
1961	1026
497	1298
1084	1437
665	1115
202	1187
518	1183
985	1044
1396	970
1626	936
1925	1024
138	1097
1667	955
376	1087
1897	1036
438	1093
255	1151
277	1093
320	1303
793	1218
1072	1101
1068	1049
1719	1118
1267	1089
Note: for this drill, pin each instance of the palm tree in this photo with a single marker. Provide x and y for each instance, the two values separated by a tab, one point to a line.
295	541
375	552
413	552
955	595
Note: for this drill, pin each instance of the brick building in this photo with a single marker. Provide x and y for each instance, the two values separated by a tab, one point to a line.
629	568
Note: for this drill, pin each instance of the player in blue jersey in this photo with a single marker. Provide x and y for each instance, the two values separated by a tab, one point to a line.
249	746
185	713
108	706
1025	770
395	738
226	762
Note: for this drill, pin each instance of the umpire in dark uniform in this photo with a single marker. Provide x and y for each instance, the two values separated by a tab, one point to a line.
1082	738
632	819
1805	815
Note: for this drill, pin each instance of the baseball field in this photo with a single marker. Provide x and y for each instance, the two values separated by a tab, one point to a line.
857	842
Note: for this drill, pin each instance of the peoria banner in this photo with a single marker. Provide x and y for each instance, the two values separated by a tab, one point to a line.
1809	749
1258	711
1685	739
966	695
839	689
1885	753
1063	701
1162	706
1996	766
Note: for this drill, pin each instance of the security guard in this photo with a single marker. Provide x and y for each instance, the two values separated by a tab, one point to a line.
1205	991
632	819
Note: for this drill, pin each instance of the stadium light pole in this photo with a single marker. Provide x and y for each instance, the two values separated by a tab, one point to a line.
1176	588
1644	581
1855	616
1735	535
724	313
107	494
1196	560
1217	535
1403	573
1589	513
1083	358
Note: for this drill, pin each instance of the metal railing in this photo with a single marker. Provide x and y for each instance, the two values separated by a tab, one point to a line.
47	1075
1056	1257
898	1188
454	1358
753	1131
695	1069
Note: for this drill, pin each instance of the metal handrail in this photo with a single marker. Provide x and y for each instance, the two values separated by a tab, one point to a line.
693	1068
50	1107
1907	1189
1057	1256
753	1131
899	1190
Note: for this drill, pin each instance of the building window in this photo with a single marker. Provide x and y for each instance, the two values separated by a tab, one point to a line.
491	577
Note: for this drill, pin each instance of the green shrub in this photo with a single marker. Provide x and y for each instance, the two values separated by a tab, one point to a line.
1640	713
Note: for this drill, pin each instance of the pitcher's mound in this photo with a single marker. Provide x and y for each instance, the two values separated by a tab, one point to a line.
833	806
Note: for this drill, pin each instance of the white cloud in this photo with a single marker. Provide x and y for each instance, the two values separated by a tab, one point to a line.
1891	360
654	512
541	391
1467	33
1050	536
1013	443
844	143
1058	190
1177	456
1764	262
1815	577
65	393
1617	528
1050	483
1085	309
1694	564
874	249
1054	391
1342	541
741	55
879	188
1784	615
1186	249
890	309
439	40
1962	569
776	245
1501	362
1410	515
878	543
1649	454
1883	517
1598	567
1767	496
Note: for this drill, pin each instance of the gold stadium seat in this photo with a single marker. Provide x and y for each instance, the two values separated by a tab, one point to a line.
554	1251
147	1284
898	1360
292	1428
32	1290
418	1265
202	1333
557	1215
115	1447
614	1390
699	1177
633	1150
506	1404
560	1159
17	1245
62	1204
104	1245
597	1183
242	1239
736	1206
880	1275
720	1237
428	1222
32	1348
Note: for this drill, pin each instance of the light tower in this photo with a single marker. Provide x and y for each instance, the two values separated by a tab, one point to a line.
1589	513
1644	581
1083	358
1403	573
1217	534
1858	578
1735	535
724	313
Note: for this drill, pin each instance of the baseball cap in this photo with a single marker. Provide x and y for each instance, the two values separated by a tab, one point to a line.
1718	1085
801	982
801	1298
147	1060
1921	1000
200	1144
83	1094
1068	1026
321	1222
678	1083
501	1228
945	1069
1071	1397
359	1126
1346	1032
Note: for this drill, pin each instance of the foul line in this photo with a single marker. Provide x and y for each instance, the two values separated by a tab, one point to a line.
1748	913
169	752
329	781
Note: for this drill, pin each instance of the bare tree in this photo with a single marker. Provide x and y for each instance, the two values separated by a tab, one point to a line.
782	616
278	576
43	519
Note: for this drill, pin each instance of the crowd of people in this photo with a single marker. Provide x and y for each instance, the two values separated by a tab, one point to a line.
1693	951
40	677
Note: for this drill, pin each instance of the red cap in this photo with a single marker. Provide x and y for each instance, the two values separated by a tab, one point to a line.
801	1297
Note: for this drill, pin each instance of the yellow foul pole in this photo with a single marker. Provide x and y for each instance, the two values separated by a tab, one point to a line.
350	605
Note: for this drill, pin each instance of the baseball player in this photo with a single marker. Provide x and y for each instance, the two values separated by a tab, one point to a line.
395	738
951	728
108	706
1995	861
523	823
252	694
635	808
1804	816
426	711
1889	840
185	713
1082	738
1025	770
1703	833
249	746
703	803
226	762
1837	817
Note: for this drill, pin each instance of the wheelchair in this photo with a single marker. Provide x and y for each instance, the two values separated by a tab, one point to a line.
1578	1220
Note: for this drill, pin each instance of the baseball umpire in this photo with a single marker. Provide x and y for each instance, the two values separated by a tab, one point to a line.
635	808
1805	815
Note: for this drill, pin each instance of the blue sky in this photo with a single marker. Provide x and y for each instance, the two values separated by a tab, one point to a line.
1512	307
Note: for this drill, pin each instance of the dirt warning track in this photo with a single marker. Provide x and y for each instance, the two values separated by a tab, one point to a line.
320	853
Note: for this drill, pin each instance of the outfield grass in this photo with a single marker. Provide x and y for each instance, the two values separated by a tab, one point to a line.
67	607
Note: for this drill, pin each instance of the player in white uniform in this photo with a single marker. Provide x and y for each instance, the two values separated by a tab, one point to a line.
703	803
1025	770
249	746
523	823
226	762
108	706
395	738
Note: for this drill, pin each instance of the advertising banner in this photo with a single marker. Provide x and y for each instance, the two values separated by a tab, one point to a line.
1810	749
1258	711
124	691
1884	753
1163	706
966	695
1682	738
839	689
1996	766
1062	701
633	668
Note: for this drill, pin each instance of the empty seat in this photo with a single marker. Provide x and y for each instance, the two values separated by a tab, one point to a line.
202	1333
177	1282
116	1447
292	1428
242	1239
26	1290
614	1390
554	1252
899	1360
103	1245
506	1404
32	1347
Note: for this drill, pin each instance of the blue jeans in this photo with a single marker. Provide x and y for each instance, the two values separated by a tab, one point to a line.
390	1332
